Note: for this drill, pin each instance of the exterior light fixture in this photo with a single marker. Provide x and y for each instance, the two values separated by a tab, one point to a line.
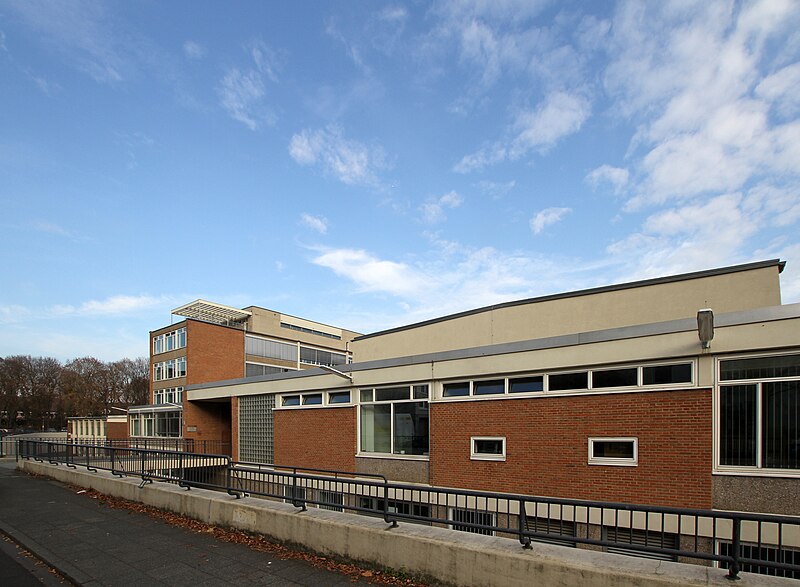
705	327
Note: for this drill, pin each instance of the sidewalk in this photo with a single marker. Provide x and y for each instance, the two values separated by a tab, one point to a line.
95	545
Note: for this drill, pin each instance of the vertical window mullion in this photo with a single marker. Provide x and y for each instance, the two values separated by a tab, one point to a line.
759	428
391	428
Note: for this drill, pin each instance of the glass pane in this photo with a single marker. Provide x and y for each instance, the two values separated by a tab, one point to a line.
312	400
526	384
737	425
615	378
489	387
366	395
568	381
488	447
392	393
411	428
340	397
420	392
456	389
780	425
376	428
612	449
663	374
291	400
760	368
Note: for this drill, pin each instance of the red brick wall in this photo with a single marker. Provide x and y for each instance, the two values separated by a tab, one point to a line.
117	430
547	446
321	438
213	353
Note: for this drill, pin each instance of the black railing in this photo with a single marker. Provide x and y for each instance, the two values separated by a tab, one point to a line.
173	444
680	534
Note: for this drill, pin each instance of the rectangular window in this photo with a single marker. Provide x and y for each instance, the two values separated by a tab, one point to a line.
395	423
290	400
759	421
312	399
627	377
339	397
613	451
489	387
465	520
169	341
648	538
456	389
526	384
566	381
257	369
667	374
331	500
488	448
270	349
320	357
788	556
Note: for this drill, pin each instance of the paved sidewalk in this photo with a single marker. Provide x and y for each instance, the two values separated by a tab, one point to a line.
95	545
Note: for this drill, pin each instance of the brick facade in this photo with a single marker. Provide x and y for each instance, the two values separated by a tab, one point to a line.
547	446
321	438
117	430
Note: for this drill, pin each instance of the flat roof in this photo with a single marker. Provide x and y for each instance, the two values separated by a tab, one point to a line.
586	292
211	312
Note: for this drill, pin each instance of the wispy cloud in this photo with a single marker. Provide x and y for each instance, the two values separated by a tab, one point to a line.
559	115
193	50
54	229
433	211
547	217
496	189
114	306
351	162
242	90
318	223
616	177
371	274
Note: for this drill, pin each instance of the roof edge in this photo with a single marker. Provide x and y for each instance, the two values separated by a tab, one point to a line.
586	292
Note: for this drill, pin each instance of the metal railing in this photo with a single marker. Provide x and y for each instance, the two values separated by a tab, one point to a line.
731	539
173	444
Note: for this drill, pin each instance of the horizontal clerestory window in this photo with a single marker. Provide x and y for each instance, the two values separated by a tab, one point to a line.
169	369
270	349
629	377
315	398
169	341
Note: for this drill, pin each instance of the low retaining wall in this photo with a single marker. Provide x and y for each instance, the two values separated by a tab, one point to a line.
457	558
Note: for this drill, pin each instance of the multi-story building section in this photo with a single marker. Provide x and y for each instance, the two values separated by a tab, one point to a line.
214	342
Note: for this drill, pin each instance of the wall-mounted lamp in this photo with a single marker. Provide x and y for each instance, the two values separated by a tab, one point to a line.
705	327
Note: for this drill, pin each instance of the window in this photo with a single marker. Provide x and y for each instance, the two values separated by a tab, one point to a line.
759	413
257	369
169	395
310	331
169	369
169	341
312	399
554	528
488	448
290	400
156	424
564	381
469	517
647	538
526	384
489	387
666	374
270	349
783	555
374	507
339	397
613	451
331	500
627	377
311	356
456	389
394	421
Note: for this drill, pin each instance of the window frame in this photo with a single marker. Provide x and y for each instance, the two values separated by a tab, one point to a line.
756	470
483	456
411	399
613	461
176	338
304	395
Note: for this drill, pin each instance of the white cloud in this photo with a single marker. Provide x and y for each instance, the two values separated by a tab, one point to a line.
371	274
559	115
3	41
547	217
193	50
617	177
351	162
433	210
782	89
317	223
496	189
114	305
242	91
54	229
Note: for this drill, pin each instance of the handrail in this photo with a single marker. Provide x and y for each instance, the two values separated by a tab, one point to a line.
527	518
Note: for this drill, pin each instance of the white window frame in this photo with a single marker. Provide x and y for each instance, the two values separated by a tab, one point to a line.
372	402
614	462
482	456
748	471
304	406
160	345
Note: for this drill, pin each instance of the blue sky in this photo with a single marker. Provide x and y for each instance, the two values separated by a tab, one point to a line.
370	164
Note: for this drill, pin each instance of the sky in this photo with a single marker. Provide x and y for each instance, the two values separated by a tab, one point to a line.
370	164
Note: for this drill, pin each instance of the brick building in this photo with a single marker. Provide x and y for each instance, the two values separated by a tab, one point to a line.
619	393
215	342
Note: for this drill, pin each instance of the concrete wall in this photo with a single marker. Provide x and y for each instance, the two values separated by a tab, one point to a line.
727	292
769	495
454	558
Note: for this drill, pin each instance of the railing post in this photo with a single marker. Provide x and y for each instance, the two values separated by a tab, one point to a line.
736	540
525	541
386	505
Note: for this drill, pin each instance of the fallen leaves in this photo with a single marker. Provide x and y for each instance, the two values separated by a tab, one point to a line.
255	542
